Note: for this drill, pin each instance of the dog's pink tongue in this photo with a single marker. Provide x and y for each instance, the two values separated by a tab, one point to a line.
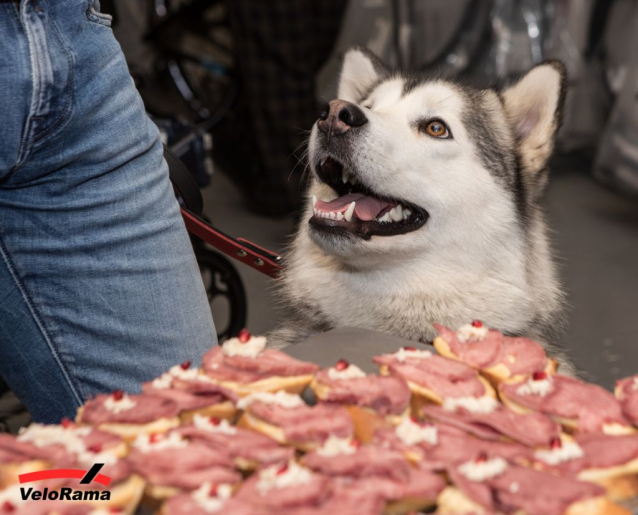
366	208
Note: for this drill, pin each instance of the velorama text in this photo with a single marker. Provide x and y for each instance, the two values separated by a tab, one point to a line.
64	494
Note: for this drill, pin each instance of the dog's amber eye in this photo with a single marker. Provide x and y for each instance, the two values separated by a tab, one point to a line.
436	129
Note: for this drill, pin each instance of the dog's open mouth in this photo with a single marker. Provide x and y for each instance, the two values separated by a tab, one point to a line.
359	210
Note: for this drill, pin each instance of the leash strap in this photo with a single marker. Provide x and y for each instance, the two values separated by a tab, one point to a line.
240	249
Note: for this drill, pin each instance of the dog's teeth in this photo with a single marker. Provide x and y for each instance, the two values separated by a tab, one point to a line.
332	215
344	175
314	200
406	214
349	212
385	218
323	161
396	213
339	216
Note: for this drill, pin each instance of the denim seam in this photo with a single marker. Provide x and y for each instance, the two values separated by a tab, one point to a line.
67	110
27	299
25	144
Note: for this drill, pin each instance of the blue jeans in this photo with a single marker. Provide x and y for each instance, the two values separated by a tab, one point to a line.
99	287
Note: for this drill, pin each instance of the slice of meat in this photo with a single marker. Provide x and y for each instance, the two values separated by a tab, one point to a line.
195	394
184	467
421	483
589	405
388	395
440	384
147	408
519	355
241	443
599	451
367	461
289	494
527	490
452	446
343	500
533	429
522	355
627	394
479	354
244	369
306	423
14	451
186	504
445	377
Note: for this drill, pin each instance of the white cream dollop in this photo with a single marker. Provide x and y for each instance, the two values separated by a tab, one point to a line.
124	404
335	446
402	354
205	424
413	433
172	441
272	477
177	372
212	503
485	404
478	471
71	438
540	387
250	349
350	372
42	435
281	398
567	451
12	495
469	333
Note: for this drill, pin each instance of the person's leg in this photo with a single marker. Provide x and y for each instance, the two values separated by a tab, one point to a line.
99	287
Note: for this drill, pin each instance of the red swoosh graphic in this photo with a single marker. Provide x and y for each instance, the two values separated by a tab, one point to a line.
30	477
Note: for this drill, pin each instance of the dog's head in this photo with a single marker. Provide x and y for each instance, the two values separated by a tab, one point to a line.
403	163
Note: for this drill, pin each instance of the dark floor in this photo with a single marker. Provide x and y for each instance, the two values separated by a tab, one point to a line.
596	238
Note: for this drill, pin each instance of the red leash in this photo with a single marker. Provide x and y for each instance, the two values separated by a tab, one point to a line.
240	249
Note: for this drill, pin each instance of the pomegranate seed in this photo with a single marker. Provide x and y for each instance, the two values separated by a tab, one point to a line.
244	335
414	419
555	443
482	456
215	421
8	507
154	437
355	443
115	510
409	347
282	469
213	491
342	364
477	323
186	365
118	395
67	423
539	376
96	447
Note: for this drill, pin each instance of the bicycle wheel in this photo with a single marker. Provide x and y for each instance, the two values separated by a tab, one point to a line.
225	290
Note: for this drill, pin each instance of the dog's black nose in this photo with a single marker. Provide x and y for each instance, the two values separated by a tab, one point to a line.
339	116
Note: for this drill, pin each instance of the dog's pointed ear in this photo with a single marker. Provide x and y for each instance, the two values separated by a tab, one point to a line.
534	106
360	70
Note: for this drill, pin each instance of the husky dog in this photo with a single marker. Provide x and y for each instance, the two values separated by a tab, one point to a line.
425	206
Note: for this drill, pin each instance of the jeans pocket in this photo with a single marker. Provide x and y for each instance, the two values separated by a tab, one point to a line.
93	14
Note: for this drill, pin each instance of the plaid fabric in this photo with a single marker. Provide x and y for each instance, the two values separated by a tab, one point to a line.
281	45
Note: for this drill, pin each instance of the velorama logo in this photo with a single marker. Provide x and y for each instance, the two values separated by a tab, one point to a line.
86	477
